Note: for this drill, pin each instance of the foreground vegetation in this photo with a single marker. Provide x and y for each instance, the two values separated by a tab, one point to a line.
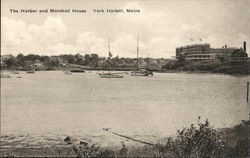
195	141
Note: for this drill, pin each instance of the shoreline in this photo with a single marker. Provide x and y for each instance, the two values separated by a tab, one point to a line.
155	71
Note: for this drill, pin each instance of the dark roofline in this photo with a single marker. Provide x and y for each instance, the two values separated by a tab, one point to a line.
203	44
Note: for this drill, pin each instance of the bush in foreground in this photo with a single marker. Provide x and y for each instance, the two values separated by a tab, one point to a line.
196	141
201	141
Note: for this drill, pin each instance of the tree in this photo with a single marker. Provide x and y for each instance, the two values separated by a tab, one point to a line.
91	60
69	58
87	59
80	61
51	63
45	58
94	59
31	57
11	62
20	59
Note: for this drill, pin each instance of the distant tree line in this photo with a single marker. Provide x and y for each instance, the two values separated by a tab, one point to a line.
48	61
91	60
95	62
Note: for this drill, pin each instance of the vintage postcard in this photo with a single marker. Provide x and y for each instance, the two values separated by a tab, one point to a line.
125	78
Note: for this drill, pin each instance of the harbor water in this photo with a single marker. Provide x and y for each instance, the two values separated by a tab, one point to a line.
53	103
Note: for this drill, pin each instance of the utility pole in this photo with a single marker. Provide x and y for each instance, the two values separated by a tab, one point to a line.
137	50
247	90
227	142
248	127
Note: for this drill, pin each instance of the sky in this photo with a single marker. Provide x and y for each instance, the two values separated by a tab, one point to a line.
161	26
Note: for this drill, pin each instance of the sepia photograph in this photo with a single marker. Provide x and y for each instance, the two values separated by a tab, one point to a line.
125	78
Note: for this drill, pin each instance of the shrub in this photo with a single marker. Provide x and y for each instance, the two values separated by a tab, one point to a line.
83	149
202	141
241	149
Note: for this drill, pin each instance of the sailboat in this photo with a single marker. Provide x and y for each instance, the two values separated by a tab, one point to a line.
109	74
140	72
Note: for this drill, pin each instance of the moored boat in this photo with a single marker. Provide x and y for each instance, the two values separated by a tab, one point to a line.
110	74
15	72
30	71
140	72
77	70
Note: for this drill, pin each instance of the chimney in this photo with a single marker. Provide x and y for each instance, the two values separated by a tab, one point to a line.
245	46
225	46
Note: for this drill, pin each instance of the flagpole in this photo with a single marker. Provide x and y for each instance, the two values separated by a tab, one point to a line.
190	38
109	46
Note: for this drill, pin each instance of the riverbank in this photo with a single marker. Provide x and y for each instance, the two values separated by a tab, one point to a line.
65	146
235	138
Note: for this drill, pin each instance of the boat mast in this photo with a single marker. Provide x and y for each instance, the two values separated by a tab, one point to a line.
109	55
109	46
147	62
